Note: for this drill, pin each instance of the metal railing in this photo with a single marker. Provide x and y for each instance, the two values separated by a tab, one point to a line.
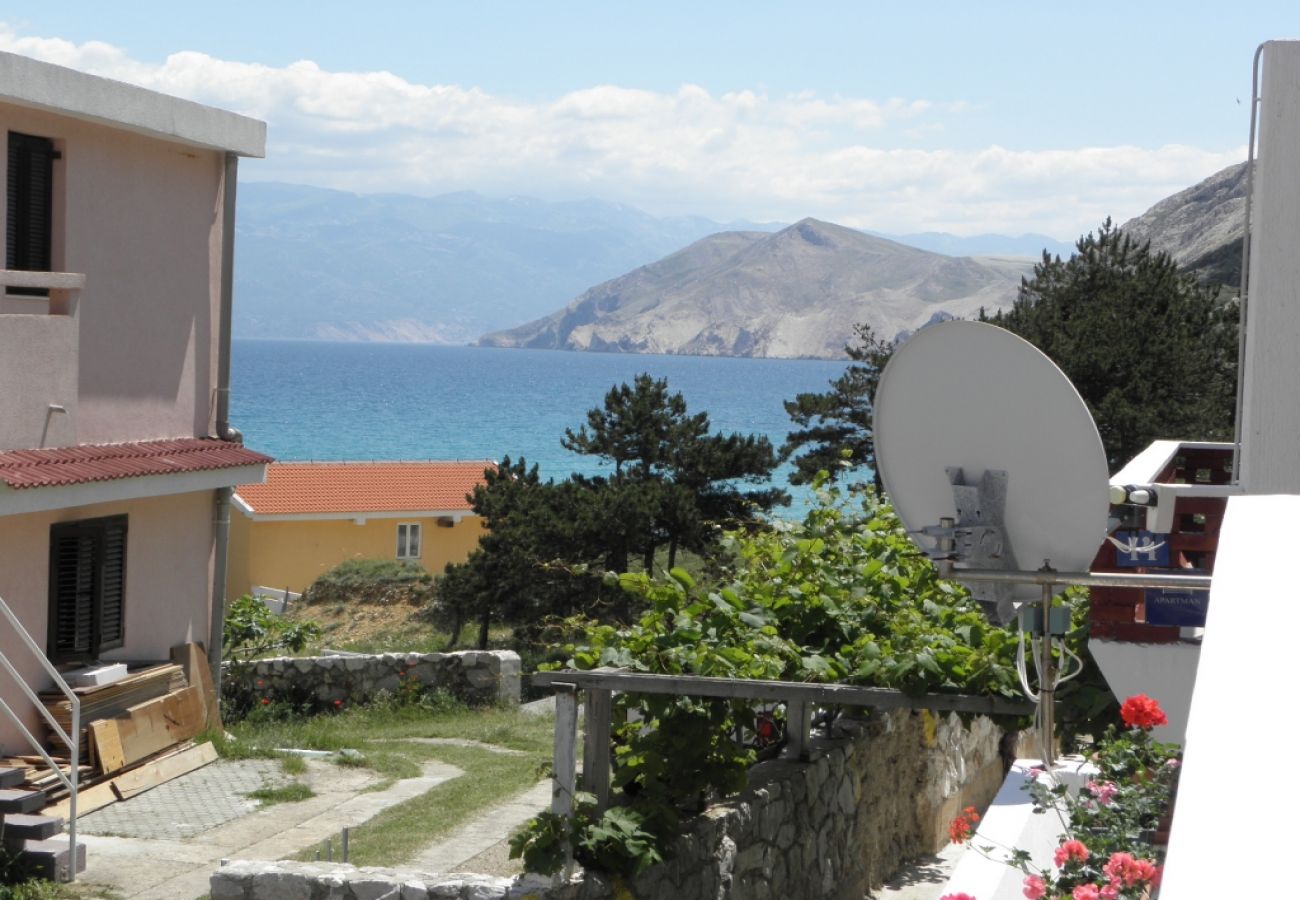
799	699
73	741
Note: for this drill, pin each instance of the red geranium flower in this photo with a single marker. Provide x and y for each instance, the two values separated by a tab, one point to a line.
1142	712
959	829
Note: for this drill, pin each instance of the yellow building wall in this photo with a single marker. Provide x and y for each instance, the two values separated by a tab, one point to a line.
293	554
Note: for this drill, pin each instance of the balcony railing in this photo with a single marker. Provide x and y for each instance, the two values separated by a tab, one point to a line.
60	299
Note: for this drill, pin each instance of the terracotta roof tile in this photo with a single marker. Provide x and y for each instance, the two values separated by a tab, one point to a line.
105	462
293	488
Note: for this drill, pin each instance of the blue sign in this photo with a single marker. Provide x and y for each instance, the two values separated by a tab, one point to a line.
1140	548
1176	606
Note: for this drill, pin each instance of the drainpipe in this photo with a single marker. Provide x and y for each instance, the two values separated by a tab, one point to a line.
224	431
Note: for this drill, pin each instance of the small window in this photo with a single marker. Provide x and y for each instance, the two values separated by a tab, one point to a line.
29	213
87	588
408	540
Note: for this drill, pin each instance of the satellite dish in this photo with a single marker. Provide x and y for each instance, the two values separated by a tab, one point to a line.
959	404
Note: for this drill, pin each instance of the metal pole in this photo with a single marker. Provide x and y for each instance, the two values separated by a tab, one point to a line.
1047	682
1051	578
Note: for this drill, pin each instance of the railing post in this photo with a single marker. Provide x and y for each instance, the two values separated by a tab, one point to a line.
798	724
564	760
595	746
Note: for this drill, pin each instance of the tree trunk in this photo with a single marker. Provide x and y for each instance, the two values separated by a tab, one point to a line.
672	553
457	624
483	623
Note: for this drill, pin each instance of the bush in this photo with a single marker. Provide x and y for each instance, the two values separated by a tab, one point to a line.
379	581
844	596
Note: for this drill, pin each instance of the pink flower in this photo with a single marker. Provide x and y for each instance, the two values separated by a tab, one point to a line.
1104	791
1140	711
1110	891
1087	892
1071	851
1122	867
961	896
1035	887
1171	763
1118	865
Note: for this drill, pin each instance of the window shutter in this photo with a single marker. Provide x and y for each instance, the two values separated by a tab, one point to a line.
112	586
72	589
29	223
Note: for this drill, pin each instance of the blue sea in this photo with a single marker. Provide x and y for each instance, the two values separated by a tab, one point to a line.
299	400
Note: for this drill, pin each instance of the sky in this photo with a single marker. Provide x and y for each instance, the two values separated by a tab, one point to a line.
966	117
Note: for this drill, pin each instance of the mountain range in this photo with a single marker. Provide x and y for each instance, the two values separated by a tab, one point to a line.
797	292
320	264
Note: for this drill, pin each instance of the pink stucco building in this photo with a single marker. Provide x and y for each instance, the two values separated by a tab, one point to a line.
116	454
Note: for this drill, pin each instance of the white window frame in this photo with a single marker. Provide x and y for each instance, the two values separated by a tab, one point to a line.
408	535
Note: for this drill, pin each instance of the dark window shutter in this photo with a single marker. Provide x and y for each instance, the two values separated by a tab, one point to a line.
112	593
29	221
87	588
72	593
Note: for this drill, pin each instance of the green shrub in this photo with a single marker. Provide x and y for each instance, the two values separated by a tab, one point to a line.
843	596
379	581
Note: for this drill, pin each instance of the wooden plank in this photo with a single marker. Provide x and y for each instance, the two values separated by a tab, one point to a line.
88	800
595	746
820	694
106	744
158	724
564	758
164	769
194	660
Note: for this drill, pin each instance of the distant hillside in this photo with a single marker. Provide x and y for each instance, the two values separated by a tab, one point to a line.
1031	245
321	264
795	293
1201	227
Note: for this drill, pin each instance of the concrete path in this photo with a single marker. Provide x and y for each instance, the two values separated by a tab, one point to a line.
482	833
178	868
924	879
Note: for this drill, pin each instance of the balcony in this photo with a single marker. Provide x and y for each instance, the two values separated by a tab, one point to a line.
39	356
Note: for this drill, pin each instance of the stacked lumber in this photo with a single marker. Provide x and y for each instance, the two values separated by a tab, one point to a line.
136	733
108	701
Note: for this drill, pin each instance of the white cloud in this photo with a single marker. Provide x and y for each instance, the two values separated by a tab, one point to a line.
742	154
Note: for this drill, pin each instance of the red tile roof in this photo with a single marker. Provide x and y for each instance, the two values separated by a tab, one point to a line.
106	462
364	487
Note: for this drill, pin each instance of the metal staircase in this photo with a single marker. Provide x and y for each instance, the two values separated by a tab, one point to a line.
21	830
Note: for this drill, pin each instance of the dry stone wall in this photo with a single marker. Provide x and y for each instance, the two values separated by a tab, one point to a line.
871	799
875	796
476	676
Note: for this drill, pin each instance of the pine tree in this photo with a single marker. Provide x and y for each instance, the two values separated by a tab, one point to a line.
835	426
1152	352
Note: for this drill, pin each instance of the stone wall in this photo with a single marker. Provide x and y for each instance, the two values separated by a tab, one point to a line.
871	799
877	795
477	676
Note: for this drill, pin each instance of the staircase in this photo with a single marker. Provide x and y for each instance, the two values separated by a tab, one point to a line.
34	835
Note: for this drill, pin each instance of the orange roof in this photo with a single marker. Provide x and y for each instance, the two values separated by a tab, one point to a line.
299	488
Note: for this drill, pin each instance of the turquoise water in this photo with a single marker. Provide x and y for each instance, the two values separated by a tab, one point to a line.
309	400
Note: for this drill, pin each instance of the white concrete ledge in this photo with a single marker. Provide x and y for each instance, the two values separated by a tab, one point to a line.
41	85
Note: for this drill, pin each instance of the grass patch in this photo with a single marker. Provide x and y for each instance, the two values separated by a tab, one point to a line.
287	793
397	834
381	735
